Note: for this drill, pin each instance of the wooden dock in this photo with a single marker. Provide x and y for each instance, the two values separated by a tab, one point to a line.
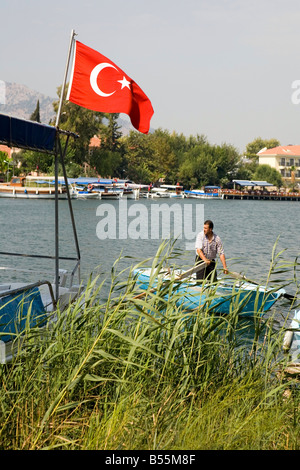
263	196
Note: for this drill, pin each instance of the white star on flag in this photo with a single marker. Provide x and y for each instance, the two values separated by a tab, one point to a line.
124	83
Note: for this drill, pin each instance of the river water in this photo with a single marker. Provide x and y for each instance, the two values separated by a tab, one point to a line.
134	229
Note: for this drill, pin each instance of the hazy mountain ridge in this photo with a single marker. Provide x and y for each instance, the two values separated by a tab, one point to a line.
20	101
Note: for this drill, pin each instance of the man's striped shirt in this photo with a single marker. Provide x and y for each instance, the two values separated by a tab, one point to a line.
210	249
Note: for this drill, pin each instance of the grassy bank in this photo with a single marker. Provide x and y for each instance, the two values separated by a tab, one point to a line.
139	373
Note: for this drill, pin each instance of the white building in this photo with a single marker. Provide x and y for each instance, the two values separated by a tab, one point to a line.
282	159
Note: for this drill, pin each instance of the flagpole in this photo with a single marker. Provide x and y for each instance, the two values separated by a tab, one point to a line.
65	79
56	170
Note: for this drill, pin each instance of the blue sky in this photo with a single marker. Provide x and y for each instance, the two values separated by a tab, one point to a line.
215	67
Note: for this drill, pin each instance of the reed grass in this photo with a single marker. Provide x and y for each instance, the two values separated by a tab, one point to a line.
139	372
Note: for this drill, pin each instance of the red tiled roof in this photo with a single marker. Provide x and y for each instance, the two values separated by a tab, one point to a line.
287	150
95	141
4	148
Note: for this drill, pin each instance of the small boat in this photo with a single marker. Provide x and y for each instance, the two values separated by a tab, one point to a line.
174	190
110	194
131	193
24	305
105	191
17	188
221	297
80	192
29	304
129	190
209	192
158	193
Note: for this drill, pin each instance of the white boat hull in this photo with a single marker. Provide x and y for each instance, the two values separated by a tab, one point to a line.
67	295
32	193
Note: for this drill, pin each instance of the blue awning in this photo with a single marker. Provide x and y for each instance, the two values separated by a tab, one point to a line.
252	183
243	182
262	183
15	132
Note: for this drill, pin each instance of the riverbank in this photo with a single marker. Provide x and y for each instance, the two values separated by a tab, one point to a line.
138	373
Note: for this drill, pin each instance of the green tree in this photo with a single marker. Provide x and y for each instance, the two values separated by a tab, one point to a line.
198	168
3	164
35	161
269	174
30	160
108	159
203	163
138	157
226	158
105	162
110	132
246	170
258	144
163	158
35	116
82	122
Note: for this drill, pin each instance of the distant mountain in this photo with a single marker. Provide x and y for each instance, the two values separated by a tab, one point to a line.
20	101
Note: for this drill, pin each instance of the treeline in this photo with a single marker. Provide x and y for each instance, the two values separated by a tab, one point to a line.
192	161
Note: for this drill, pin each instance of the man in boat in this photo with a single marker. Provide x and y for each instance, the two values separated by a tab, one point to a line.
208	245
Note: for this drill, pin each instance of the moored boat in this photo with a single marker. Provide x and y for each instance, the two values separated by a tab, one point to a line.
39	189
83	193
105	191
131	193
221	297
174	190
34	304
24	306
209	192
158	193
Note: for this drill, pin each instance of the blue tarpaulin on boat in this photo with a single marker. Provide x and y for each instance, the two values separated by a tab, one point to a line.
15	132
83	180
17	310
88	180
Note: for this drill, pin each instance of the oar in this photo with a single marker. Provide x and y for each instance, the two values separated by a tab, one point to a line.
139	296
189	272
185	274
243	278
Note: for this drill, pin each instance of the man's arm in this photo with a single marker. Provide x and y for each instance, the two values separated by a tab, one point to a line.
223	260
202	256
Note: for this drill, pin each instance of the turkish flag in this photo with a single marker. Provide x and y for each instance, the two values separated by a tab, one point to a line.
100	85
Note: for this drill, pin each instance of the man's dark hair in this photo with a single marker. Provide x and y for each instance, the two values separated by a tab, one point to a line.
209	223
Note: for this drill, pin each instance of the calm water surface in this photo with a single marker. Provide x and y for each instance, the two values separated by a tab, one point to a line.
248	229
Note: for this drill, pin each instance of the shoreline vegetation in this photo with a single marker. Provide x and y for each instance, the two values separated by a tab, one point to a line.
135	372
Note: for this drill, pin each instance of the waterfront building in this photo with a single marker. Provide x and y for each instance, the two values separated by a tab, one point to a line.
285	159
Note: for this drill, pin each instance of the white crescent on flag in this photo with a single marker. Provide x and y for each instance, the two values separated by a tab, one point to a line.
94	77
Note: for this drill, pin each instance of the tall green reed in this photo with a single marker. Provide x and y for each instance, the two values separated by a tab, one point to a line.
122	370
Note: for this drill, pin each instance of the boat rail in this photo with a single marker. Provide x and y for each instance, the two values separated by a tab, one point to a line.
31	135
53	257
28	287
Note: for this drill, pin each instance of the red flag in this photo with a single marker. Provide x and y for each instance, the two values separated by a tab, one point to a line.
100	85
